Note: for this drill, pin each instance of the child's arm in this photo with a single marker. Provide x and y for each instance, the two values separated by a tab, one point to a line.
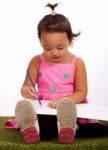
27	89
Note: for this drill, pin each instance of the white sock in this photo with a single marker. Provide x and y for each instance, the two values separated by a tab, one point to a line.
37	126
58	126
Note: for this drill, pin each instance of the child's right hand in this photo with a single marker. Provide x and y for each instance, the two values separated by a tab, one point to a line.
29	92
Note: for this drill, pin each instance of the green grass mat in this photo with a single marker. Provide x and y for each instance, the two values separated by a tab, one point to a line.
11	139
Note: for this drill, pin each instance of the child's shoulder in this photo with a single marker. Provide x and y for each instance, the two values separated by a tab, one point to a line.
35	60
79	62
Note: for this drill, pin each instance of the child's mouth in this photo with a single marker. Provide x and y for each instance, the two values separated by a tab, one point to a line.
56	59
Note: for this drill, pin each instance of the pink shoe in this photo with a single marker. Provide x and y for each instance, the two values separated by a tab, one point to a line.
31	135
11	124
26	118
66	136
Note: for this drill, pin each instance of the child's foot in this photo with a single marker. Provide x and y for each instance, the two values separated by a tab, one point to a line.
67	116
26	118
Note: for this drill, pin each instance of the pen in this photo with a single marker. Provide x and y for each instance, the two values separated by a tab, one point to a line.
33	85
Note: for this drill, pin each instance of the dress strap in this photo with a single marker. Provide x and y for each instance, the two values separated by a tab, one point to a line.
42	58
74	60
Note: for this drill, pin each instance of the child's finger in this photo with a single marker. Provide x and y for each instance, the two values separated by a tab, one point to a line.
32	92
52	104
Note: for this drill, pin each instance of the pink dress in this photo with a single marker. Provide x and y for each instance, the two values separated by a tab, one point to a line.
55	80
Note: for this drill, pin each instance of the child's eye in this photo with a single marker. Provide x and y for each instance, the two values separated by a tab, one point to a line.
47	49
60	48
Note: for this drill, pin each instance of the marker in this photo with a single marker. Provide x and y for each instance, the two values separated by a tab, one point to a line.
33	85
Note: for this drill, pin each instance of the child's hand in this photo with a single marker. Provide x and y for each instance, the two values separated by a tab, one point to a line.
29	92
53	103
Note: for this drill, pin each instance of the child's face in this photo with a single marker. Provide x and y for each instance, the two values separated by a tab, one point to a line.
55	46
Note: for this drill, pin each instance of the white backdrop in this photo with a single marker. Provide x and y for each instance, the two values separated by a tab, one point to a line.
19	42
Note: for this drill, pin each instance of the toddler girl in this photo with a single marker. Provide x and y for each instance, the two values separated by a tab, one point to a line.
61	78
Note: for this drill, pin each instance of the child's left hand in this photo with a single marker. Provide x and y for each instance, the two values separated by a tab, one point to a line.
53	103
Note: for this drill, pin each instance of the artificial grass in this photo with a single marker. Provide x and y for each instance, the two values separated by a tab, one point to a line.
11	139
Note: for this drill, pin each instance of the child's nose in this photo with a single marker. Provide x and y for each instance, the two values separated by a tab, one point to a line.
54	52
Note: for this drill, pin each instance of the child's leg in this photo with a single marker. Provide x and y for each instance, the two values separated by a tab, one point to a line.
67	117
26	118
